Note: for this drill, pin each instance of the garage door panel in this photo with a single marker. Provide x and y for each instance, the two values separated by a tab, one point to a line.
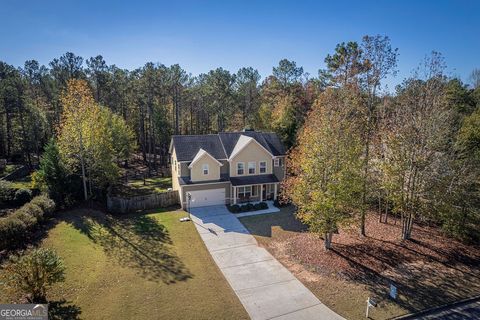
203	198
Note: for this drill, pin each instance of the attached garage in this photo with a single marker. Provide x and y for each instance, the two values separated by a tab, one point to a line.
209	197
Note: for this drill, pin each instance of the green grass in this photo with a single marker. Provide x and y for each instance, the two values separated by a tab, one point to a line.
139	187
137	267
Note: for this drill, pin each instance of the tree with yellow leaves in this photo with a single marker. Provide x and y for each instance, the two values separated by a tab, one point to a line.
91	139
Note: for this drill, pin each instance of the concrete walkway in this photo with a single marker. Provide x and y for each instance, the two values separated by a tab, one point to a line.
265	287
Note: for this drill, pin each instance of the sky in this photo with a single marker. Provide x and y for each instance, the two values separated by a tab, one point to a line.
203	35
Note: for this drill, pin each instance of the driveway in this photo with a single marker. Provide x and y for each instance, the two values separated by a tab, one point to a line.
265	287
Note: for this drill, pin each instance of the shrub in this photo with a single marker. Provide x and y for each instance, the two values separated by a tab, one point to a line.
22	196
7	191
34	210
12	230
23	215
263	205
235	208
45	203
34	272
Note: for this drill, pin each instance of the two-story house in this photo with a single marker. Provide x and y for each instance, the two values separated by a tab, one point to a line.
227	168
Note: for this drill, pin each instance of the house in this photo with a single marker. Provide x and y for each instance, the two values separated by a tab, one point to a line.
227	168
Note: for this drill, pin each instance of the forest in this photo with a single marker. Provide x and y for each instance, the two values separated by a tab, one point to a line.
413	151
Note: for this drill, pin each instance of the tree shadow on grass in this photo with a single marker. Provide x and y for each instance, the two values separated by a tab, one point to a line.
63	310
135	241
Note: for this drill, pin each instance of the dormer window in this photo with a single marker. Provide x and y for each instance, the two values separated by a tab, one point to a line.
240	168
205	169
251	167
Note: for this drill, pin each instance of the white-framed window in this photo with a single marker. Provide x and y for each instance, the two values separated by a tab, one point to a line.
276	162
178	168
251	167
244	192
240	168
205	169
263	166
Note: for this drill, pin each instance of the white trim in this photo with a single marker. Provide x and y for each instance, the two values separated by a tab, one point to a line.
199	155
245	141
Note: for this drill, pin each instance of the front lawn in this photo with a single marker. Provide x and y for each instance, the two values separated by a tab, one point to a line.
147	266
428	270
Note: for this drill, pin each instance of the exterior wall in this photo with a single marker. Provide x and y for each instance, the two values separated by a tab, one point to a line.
175	184
196	172
187	188
252	152
225	169
184	170
279	172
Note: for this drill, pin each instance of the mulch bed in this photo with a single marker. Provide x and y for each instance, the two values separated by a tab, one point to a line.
430	265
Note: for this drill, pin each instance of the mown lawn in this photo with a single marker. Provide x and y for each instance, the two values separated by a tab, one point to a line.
136	267
429	270
140	187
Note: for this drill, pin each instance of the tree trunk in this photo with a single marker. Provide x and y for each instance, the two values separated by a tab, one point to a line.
328	240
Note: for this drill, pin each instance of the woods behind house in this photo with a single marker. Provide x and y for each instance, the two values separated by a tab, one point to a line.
413	151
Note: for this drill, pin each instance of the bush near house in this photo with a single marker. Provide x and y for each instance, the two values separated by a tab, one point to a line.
235	208
16	227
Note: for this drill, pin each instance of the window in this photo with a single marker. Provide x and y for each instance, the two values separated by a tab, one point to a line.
263	166
240	168
244	192
251	167
205	169
178	168
276	162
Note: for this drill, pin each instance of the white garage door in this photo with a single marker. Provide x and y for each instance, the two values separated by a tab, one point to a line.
205	198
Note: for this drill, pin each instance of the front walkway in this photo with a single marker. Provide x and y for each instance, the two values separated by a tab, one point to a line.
265	287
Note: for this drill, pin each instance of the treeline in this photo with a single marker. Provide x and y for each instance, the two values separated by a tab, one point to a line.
156	101
414	153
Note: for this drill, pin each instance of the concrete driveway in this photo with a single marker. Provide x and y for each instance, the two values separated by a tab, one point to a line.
265	287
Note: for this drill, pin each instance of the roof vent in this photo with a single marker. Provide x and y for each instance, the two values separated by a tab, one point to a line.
246	129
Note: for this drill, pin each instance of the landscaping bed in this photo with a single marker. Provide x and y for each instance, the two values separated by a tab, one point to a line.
429	270
141	266
247	207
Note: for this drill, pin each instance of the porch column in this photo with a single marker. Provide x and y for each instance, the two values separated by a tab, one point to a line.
234	195
275	192
261	192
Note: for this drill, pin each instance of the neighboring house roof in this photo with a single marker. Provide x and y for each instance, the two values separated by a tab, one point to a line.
200	154
249	180
222	145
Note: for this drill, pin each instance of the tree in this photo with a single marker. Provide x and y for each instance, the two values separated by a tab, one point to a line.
248	94
324	180
415	137
475	78
34	272
345	64
287	72
52	174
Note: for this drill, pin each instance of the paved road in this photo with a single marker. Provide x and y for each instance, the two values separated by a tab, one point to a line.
265	287
469	310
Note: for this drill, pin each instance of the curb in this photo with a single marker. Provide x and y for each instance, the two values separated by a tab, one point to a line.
426	311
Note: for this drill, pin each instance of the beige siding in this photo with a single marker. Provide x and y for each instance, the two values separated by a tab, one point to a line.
175	185
196	172
252	152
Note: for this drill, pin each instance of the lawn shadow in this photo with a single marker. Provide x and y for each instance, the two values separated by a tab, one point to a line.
63	310
135	241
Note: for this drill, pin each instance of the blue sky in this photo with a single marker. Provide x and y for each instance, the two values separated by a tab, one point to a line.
202	35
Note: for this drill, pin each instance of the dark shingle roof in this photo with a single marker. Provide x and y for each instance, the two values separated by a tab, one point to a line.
186	147
249	180
187	181
221	145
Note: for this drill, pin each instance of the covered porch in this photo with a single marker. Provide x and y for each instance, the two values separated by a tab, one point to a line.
253	188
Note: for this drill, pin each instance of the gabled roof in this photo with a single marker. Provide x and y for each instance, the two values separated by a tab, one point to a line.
202	153
220	146
242	142
186	147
